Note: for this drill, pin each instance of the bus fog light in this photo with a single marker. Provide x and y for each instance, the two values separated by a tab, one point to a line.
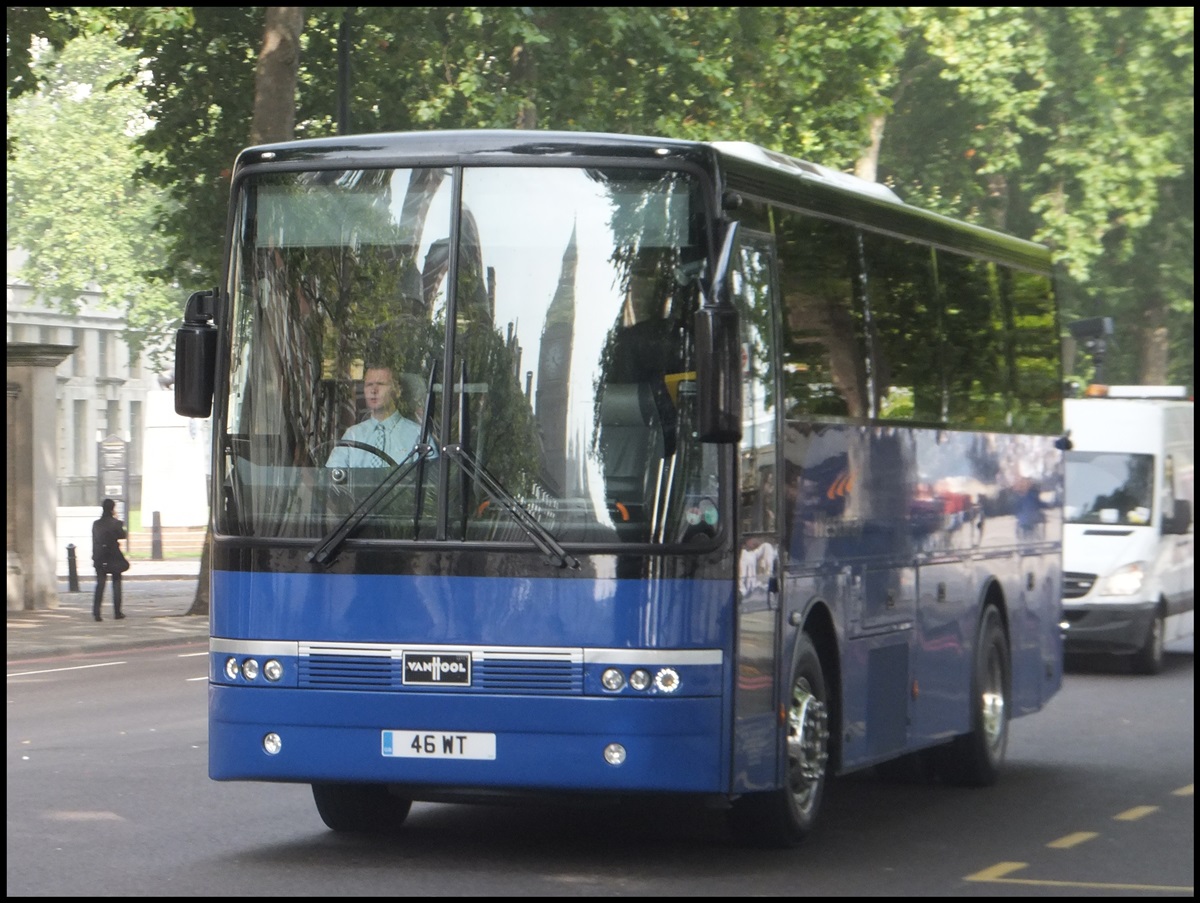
667	680
231	668
614	754
639	679
250	669
272	669
272	744
612	679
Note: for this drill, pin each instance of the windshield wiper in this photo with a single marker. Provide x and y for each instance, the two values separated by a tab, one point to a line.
541	537
473	470
327	548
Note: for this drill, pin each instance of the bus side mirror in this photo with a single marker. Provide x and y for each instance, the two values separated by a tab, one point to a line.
196	356
719	355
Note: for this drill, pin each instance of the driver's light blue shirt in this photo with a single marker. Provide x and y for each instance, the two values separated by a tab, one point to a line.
396	436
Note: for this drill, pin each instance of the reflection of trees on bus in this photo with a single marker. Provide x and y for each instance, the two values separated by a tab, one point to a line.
499	427
636	412
323	306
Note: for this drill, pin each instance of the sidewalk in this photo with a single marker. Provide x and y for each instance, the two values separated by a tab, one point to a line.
156	596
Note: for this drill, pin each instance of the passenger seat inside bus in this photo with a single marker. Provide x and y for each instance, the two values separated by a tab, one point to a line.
631	445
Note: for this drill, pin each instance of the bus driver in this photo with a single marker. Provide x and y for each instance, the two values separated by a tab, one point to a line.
384	428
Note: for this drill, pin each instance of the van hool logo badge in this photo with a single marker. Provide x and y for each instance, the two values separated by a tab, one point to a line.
452	668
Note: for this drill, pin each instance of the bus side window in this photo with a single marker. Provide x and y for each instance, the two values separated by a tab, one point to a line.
905	308
823	348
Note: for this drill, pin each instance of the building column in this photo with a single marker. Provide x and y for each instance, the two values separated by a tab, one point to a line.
32	495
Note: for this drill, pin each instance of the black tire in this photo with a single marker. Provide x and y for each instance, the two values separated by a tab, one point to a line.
975	758
360	808
918	767
1149	659
784	817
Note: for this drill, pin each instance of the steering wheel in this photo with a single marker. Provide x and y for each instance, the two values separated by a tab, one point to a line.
339	473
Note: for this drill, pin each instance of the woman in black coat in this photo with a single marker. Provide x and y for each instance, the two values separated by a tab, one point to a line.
107	532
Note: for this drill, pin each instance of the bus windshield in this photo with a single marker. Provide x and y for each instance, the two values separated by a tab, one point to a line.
512	347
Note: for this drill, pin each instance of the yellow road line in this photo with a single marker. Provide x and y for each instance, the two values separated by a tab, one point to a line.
998	873
1185	790
1135	813
1072	840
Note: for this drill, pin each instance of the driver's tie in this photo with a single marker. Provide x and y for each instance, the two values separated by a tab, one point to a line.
381	438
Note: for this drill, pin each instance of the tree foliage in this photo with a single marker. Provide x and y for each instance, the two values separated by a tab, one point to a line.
89	223
1068	126
1072	126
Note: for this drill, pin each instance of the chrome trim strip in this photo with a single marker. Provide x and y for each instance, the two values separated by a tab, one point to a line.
653	656
576	655
251	647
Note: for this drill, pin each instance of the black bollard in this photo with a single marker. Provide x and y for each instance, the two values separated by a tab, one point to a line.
72	569
156	538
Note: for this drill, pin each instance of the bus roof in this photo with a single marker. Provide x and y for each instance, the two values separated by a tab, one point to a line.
742	166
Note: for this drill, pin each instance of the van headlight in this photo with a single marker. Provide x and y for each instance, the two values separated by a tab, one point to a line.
1125	581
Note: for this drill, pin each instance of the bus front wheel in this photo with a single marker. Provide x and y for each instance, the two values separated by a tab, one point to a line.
360	808
784	817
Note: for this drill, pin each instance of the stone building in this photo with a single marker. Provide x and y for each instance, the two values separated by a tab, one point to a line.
71	385
99	392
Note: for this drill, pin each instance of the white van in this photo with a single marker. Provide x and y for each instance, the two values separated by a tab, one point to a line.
1128	575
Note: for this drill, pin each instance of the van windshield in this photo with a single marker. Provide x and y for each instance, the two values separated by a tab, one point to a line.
1109	488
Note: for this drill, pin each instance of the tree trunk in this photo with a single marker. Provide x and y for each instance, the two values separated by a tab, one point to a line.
524	73
1155	343
867	165
274	120
275	79
200	601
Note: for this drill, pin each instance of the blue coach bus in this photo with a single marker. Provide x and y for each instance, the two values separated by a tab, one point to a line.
714	473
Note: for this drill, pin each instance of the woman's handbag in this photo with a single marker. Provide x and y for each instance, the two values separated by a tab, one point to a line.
121	565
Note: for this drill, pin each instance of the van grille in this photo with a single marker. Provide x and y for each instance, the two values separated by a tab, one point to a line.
1076	585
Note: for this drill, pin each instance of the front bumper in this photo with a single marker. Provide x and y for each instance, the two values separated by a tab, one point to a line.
1116	628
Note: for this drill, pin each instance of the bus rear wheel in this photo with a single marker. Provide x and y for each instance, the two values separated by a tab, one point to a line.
360	808
784	817
975	758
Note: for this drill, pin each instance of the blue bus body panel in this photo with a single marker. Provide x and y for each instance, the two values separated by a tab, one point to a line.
541	743
380	608
537	647
903	535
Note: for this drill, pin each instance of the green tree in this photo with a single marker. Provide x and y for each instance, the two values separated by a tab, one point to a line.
800	80
1072	126
1068	126
87	220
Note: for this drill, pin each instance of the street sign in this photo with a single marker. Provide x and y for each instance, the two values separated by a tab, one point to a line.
113	474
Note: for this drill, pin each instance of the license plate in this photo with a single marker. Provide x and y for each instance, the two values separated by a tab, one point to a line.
438	745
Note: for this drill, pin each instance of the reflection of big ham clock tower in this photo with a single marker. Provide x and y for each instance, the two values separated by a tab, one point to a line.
554	371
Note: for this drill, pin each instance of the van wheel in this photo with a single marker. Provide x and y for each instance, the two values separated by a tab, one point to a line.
784	817
360	808
1149	659
974	759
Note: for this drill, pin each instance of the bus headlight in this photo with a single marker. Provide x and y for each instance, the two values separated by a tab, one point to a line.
272	744
231	668
250	669
272	669
612	679
614	754
639	679
667	680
